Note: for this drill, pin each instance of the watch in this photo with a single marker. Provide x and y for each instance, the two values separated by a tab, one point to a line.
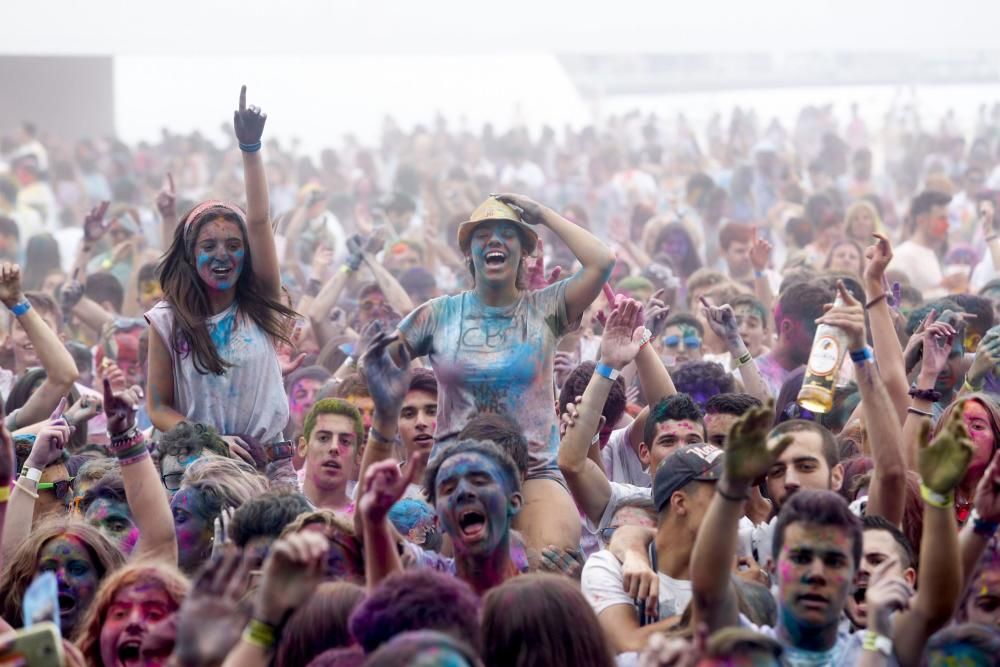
277	451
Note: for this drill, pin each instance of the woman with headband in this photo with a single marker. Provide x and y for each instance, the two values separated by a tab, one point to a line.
212	339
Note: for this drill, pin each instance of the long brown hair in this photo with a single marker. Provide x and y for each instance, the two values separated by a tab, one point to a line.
319	624
547	606
20	569
183	290
88	634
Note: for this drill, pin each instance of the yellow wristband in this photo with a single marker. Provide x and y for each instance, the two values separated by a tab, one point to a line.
935	499
969	388
4	493
260	634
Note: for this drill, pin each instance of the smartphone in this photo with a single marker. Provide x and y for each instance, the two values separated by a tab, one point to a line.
37	646
41	601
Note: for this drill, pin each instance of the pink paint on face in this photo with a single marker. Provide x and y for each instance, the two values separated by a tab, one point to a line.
134	609
977	423
302	397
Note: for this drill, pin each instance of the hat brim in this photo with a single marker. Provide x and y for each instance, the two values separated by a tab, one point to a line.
529	238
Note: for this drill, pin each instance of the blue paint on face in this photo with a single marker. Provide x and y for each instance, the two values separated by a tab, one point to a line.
474	503
220	253
496	236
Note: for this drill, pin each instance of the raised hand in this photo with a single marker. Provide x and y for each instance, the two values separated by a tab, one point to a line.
220	532
722	321
878	254
387	382
987	497
622	334
849	317
212	617
166	199
94	226
748	453
85	409
562	365
69	294
376	240
531	211
988	217
760	251
885	596
10	284
248	121
51	440
120	407
385	484
987	357
942	463
535	267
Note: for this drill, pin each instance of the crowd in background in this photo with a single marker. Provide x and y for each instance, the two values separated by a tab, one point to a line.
506	397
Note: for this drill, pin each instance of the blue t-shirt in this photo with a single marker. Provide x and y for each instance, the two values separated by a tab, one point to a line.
494	360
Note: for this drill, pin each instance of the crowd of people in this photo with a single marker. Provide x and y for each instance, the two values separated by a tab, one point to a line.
506	400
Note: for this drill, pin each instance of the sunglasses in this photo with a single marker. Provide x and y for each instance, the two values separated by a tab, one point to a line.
690	342
172	480
60	488
795	411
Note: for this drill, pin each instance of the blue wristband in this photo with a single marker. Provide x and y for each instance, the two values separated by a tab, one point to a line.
20	308
862	355
984	528
607	372
758	274
250	148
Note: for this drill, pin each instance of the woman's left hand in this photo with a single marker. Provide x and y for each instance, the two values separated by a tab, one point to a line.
532	212
248	121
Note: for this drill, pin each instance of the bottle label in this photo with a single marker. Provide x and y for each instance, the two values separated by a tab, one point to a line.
825	355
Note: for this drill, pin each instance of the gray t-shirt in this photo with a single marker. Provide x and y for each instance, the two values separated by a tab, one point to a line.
248	397
491	359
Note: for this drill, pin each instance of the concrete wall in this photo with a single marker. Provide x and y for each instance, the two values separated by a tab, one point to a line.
65	96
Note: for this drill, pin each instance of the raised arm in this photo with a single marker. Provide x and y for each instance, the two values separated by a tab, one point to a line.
94	229
620	344
59	366
887	492
596	258
760	257
654	379
723	323
145	494
937	340
977	532
986	359
166	205
384	484
249	125
988	220
748	457
891	368
939	585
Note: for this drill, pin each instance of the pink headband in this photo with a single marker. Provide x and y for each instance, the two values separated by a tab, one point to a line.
213	203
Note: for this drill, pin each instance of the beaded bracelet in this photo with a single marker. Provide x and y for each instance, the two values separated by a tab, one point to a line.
931	395
249	148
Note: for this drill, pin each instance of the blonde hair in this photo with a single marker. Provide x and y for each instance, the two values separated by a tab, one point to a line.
231	481
173	583
854	209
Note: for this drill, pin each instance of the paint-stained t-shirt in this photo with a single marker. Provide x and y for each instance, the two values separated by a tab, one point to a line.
494	360
248	397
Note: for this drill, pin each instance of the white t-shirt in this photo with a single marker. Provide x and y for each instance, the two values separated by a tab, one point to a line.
601	583
920	264
621	463
847	650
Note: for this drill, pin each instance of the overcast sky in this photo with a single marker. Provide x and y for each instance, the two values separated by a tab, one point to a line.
466	26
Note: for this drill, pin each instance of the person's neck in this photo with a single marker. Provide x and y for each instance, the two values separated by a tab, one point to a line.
419	473
499	295
485	572
219	300
792	633
784	357
740	276
329	499
673	550
922	239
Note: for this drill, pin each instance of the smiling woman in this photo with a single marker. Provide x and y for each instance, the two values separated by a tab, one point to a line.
212	342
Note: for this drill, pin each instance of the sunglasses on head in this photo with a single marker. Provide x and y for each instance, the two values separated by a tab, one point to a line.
60	488
690	342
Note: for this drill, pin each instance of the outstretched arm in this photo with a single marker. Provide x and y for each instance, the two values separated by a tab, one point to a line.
723	323
887	491
145	494
587	482
249	125
384	484
59	366
596	258
891	368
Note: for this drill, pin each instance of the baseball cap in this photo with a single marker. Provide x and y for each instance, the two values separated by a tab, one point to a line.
702	462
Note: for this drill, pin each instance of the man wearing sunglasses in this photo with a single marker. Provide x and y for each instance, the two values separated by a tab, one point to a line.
682	340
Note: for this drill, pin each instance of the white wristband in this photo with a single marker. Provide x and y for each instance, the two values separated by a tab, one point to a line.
34	474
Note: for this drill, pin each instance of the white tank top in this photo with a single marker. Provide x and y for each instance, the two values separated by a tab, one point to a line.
248	397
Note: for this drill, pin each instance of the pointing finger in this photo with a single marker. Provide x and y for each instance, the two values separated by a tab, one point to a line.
60	409
243	98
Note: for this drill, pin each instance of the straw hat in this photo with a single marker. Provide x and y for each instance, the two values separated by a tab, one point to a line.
494	209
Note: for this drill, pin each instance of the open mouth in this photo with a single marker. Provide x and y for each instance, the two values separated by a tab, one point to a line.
424	440
67	603
220	271
472	523
859	594
332	465
129	652
495	258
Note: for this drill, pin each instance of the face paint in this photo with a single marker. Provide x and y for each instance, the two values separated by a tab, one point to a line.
473	503
670	435
114	520
977	423
302	397
193	528
133	611
495	249
76	577
330	453
219	254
